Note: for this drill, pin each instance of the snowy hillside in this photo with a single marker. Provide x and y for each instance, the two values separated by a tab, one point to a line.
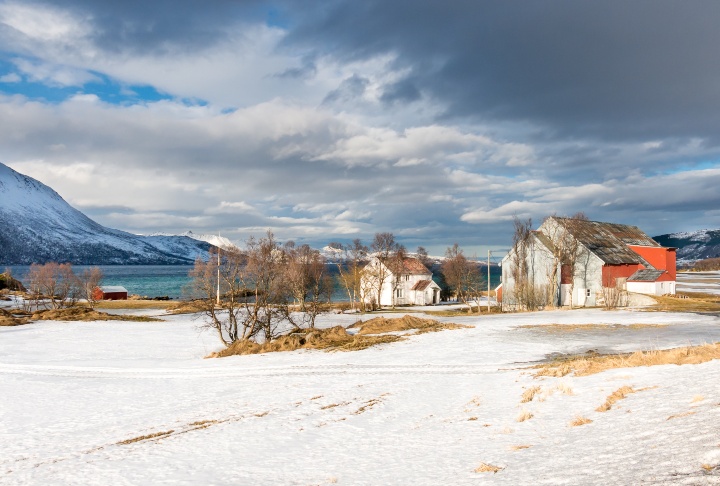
215	240
695	245
39	226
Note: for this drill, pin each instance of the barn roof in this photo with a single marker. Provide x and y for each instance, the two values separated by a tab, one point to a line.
113	289
645	275
609	240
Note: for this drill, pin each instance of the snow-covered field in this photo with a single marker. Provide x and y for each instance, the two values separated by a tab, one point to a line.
129	403
704	282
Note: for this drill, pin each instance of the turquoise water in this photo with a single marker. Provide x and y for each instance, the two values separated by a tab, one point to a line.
169	280
145	280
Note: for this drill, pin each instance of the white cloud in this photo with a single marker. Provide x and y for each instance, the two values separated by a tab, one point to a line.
10	78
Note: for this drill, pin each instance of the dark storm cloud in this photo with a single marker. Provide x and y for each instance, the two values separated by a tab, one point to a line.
611	69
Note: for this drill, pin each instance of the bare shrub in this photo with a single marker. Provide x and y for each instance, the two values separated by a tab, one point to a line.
524	415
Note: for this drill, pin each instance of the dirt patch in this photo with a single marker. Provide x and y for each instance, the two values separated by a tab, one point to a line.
86	314
584	365
380	325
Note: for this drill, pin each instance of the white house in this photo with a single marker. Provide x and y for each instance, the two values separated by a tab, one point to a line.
409	284
604	255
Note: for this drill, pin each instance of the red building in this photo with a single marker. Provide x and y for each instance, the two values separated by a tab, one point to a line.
110	292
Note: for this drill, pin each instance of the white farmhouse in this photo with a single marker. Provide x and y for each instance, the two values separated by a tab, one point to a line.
409	284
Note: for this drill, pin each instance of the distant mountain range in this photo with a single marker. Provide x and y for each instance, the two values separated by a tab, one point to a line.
695	245
38	226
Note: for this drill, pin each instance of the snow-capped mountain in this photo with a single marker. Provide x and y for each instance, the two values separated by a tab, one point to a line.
38	226
695	245
215	240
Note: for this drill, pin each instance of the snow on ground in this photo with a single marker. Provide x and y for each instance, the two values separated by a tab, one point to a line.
80	401
703	282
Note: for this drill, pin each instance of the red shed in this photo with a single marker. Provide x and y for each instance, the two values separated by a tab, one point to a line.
110	292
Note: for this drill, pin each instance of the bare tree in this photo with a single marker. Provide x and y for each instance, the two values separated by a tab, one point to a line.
350	271
305	276
462	276
383	247
526	292
566	252
613	293
53	282
422	255
88	280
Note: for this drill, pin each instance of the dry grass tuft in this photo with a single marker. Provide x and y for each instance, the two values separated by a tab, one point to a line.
485	467
367	406
332	339
8	319
579	420
380	325
584	365
614	397
186	307
158	435
86	314
520	447
564	388
529	394
697	398
524	415
709	467
678	415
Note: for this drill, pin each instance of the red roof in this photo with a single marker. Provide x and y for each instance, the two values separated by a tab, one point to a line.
421	285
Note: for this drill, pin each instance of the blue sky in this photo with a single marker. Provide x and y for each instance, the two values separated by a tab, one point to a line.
326	121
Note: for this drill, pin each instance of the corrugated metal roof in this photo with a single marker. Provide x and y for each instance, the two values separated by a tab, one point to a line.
645	275
609	240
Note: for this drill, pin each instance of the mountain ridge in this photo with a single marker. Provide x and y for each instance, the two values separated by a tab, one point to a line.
40	226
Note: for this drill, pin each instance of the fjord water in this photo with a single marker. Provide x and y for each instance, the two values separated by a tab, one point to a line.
144	280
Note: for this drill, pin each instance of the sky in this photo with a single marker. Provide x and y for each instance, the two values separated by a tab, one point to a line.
327	121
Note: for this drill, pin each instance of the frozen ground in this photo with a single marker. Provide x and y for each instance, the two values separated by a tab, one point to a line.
81	402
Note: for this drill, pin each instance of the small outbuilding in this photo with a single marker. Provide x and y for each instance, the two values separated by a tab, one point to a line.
110	292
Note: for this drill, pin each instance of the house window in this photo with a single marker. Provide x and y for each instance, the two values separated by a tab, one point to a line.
587	292
399	293
407	278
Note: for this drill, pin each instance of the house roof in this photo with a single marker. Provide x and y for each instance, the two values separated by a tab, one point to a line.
421	285
645	275
609	240
411	266
112	289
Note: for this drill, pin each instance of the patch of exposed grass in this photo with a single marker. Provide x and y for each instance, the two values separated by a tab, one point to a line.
529	394
520	447
678	415
564	388
579	420
86	314
697	398
571	328
464	311
186	307
10	319
332	339
135	304
380	325
158	435
615	397
588	365
485	467
687	302
524	415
